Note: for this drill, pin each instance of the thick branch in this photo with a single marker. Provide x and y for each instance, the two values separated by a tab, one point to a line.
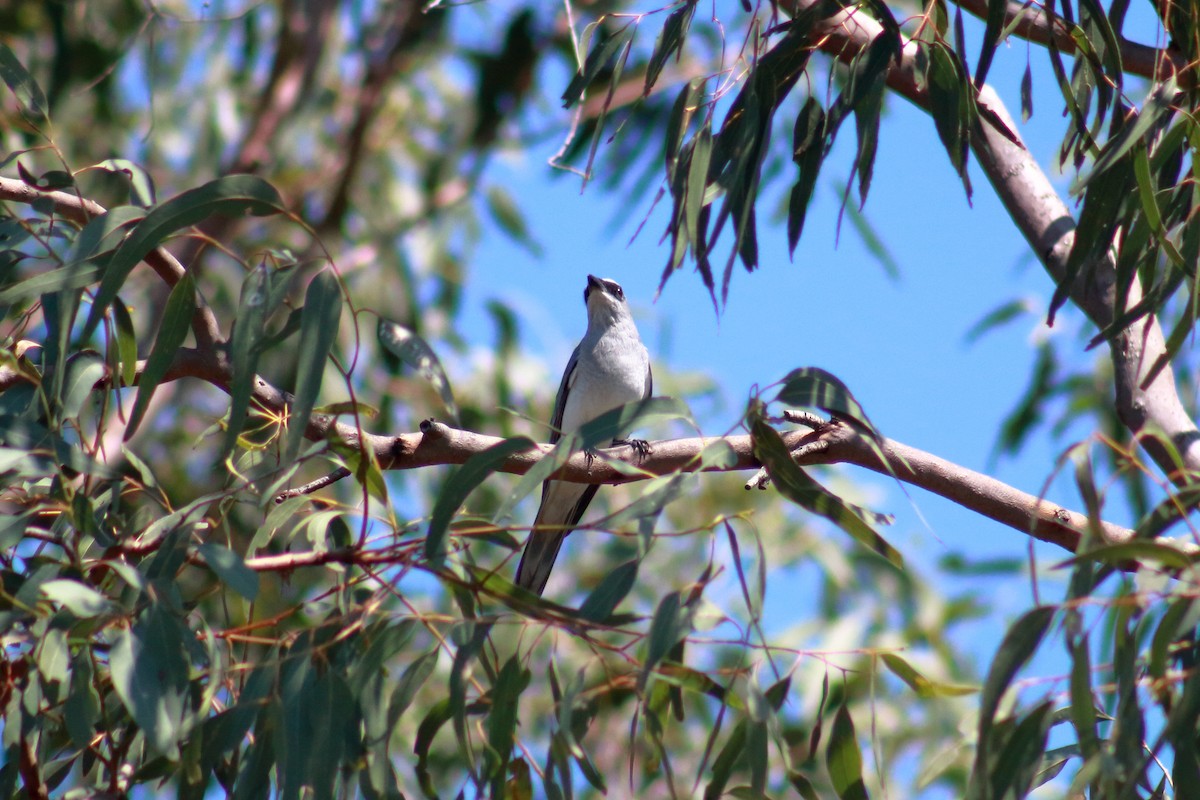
1048	226
440	444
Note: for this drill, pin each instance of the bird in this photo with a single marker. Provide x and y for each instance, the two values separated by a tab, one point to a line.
609	368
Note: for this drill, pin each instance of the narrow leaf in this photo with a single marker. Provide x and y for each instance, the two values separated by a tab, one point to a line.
176	321
318	331
459	485
844	758
406	345
30	98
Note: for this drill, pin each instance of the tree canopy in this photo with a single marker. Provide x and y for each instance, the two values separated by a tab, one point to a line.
257	538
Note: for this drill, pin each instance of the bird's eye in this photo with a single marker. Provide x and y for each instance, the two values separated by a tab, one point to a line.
619	293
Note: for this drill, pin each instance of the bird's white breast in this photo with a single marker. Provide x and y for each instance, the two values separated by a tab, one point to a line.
612	370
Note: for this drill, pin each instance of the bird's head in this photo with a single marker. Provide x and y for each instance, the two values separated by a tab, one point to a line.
605	299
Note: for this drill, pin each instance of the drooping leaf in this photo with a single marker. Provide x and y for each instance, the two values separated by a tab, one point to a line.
80	599
602	56
808	152
923	686
1018	646
150	673
30	98
844	758
406	345
172	330
141	185
318	331
244	350
459	485
797	486
813	387
609	593
670	41
994	22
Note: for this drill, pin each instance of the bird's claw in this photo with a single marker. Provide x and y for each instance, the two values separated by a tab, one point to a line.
640	446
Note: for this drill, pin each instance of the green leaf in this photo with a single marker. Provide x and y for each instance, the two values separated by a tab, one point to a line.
318	331
141	185
126	337
794	484
80	599
1168	555
844	758
948	102
921	684
72	276
670	41
176	321
808	152
150	674
697	184
228	196
871	240
997	317
666	630
30	98
507	214
84	371
459	485
502	721
723	765
1018	647
599	58
605	598
813	387
244	349
406	345
1107	193
230	568
1156	110
81	711
994	23
1018	762
411	680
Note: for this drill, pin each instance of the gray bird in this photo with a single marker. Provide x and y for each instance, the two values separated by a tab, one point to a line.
610	367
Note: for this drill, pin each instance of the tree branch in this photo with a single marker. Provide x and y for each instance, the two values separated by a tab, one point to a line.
1048	226
821	443
165	265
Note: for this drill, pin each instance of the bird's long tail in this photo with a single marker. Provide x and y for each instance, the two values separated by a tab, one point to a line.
562	507
538	559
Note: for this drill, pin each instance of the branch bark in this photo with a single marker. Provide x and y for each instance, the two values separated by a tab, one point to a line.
1048	226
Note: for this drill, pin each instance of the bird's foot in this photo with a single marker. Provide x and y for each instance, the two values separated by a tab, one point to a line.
640	446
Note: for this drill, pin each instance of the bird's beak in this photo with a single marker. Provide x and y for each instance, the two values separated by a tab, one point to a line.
593	283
